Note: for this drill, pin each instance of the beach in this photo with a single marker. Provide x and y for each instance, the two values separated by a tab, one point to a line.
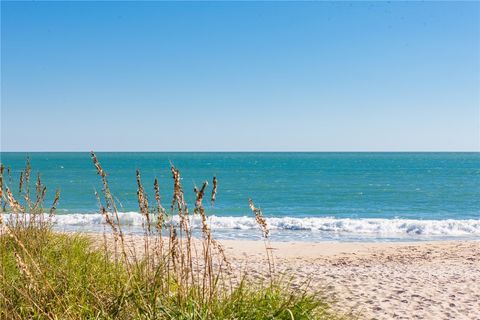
240	160
434	280
377	235
400	280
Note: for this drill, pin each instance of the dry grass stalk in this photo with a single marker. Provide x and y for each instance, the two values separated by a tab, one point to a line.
185	245
24	184
177	188
110	206
13	203
9	173
97	165
53	209
28	170
38	186
199	195
20	184
29	213
143	201
111	223
22	266
200	210
178	202
40	192
144	210
214	190
208	263
109	201
209	273
2	169
262	223
161	212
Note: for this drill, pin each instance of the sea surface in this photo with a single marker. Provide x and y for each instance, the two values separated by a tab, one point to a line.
305	196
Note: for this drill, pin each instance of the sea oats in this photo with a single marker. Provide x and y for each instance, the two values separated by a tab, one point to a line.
161	212
2	168
53	208
142	200
12	202
20	184
262	223
214	190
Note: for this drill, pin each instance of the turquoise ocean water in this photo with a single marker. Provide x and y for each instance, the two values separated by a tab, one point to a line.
306	196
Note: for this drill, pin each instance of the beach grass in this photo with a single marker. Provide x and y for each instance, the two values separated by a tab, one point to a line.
50	275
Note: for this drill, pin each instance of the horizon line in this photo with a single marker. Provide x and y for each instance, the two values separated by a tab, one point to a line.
245	151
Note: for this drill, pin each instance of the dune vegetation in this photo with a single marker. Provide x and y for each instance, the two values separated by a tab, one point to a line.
50	275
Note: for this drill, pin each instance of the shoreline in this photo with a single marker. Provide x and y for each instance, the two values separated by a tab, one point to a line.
304	229
294	229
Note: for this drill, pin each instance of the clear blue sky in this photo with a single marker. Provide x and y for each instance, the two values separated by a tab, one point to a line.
159	76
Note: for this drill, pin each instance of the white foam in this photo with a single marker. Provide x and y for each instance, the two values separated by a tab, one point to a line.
382	227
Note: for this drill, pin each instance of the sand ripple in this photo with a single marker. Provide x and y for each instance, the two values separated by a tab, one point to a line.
384	281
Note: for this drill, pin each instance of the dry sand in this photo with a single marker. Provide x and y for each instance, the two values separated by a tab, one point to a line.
435	280
417	280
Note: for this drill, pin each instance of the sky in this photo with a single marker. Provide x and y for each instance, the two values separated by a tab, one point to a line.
240	76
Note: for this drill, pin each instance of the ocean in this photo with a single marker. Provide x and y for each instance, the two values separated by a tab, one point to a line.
305	196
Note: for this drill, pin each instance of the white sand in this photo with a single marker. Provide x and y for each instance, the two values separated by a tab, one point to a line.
436	280
418	280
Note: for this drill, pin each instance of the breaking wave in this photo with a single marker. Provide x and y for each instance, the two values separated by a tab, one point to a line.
450	227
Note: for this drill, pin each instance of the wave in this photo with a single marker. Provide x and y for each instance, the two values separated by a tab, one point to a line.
384	227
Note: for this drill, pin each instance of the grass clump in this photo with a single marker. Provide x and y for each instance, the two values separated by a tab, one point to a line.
48	275
62	278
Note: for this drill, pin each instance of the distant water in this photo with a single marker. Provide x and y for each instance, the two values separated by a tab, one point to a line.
306	196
